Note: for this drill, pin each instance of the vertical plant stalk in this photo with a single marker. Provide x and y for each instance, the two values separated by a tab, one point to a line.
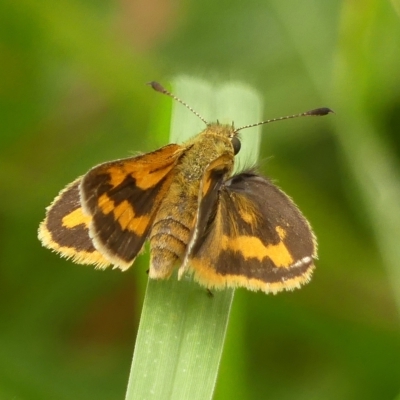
182	327
369	157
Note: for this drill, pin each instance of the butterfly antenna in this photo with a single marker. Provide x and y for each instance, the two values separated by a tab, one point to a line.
317	112
159	88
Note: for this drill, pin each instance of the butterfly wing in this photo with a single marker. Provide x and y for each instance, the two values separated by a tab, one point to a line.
250	234
213	177
122	198
66	229
104	217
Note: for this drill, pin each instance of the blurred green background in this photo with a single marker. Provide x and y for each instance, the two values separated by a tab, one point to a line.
73	94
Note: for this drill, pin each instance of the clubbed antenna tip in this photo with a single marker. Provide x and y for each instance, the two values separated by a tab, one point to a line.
317	112
157	87
320	111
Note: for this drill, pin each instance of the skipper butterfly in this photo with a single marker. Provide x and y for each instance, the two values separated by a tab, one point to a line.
227	230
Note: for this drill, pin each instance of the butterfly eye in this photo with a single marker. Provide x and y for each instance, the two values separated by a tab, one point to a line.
236	145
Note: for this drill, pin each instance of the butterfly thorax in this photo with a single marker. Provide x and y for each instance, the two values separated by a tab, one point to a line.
205	148
176	216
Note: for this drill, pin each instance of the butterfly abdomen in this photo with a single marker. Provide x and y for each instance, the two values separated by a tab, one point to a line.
171	230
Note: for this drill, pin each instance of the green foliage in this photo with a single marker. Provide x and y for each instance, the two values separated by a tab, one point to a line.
73	94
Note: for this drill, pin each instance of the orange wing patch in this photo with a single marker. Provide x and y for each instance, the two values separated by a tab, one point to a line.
124	214
75	218
253	248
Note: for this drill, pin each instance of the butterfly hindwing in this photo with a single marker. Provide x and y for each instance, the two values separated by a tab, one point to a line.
254	237
66	228
122	197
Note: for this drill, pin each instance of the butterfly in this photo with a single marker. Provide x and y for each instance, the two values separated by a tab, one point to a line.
227	230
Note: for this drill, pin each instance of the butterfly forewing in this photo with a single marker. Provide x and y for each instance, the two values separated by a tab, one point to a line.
122	197
213	177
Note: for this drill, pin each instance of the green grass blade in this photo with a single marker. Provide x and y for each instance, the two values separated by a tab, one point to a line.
182	328
369	157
